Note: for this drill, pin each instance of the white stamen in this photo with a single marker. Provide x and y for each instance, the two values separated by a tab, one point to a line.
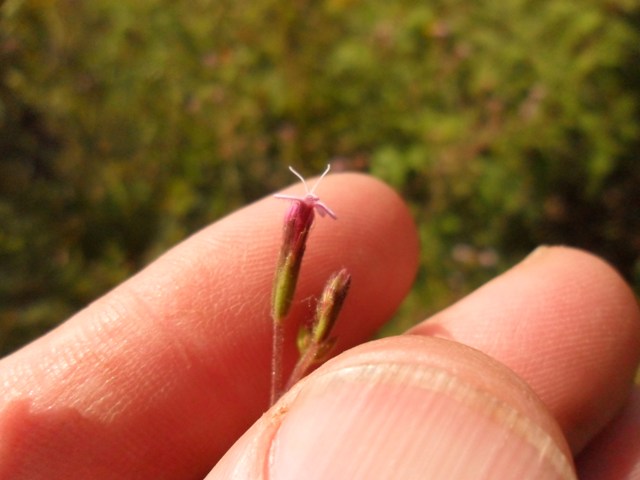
310	198
306	188
315	185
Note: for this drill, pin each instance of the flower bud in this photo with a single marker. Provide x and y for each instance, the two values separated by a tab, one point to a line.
328	309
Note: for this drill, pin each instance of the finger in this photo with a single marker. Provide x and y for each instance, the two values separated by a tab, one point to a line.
615	453
437	408
566	323
404	407
161	375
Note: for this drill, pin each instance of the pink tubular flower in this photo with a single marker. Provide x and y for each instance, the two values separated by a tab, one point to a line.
310	197
297	224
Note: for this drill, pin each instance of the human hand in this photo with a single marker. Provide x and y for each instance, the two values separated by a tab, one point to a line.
161	376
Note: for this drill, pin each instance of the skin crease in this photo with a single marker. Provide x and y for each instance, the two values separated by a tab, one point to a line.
614	454
162	375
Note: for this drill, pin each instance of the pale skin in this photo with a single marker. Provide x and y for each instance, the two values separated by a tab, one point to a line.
160	377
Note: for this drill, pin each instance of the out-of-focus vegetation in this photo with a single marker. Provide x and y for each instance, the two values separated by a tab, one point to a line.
124	126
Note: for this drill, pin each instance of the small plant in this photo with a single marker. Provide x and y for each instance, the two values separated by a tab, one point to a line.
314	342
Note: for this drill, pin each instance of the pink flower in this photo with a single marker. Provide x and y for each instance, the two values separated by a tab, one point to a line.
310	197
297	224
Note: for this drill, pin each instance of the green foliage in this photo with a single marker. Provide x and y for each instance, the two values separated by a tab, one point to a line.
124	126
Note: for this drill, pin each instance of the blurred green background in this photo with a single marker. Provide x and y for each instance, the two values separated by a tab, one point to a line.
125	126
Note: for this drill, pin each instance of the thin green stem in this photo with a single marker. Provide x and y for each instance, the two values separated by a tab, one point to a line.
277	353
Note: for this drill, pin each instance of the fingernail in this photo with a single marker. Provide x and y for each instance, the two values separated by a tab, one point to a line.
408	421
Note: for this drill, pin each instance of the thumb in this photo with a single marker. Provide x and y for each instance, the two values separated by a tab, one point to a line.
404	407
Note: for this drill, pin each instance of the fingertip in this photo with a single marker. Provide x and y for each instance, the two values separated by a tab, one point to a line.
405	407
567	323
188	337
